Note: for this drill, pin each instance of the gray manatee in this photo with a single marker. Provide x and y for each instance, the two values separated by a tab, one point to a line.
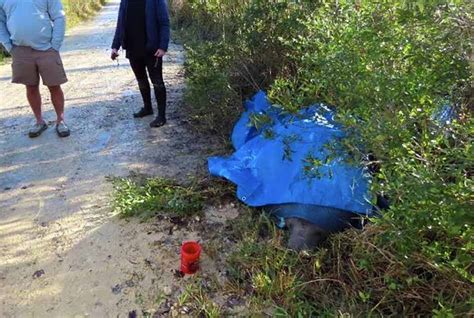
304	235
310	225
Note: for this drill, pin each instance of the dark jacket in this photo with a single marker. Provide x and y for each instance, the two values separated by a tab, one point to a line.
157	25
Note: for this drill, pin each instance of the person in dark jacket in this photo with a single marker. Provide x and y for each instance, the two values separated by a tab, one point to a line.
143	30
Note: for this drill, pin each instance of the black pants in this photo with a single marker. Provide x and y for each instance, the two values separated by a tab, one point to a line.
155	72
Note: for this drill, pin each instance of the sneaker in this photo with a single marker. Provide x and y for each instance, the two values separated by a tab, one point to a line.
143	112
158	122
37	130
62	130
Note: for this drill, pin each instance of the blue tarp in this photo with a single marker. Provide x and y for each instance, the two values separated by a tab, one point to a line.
289	160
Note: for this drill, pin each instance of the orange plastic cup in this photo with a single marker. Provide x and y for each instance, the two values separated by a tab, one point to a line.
190	254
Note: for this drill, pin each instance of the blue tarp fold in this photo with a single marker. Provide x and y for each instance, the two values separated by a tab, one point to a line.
290	160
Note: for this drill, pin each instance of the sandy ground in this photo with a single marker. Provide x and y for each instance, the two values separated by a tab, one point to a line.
63	252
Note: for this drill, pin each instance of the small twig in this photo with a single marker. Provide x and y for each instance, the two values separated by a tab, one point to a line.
390	260
321	280
378	304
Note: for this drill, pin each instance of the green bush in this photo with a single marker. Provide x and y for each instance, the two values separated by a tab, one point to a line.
3	54
387	70
231	53
215	103
78	10
387	67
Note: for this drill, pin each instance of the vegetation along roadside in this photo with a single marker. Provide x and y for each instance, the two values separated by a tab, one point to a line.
389	69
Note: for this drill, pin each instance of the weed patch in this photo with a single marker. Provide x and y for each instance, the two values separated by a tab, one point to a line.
152	196
144	197
195	298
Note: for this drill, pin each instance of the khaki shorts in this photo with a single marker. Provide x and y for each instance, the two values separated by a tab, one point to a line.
29	64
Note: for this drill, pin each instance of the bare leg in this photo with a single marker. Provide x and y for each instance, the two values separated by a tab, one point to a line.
34	99
57	98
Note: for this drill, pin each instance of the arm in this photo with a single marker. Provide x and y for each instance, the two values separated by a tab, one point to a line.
4	34
118	29
57	15
164	24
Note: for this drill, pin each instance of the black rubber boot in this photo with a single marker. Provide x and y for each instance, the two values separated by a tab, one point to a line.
145	91
158	122
143	113
160	94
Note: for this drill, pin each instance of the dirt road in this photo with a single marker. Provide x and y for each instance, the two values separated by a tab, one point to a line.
63	253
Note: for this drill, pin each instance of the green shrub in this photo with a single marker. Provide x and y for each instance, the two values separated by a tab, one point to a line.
3	54
78	10
215	103
387	70
231	53
387	67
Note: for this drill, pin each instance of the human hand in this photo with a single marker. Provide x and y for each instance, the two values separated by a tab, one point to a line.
160	53
114	54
